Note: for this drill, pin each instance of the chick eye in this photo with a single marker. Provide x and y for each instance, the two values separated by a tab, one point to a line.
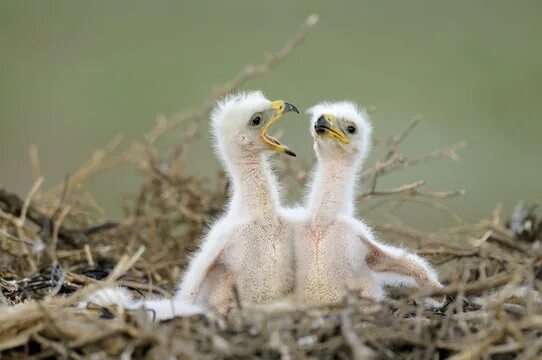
351	129
256	120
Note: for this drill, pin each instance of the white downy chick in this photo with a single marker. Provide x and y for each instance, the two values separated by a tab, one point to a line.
335	252
249	249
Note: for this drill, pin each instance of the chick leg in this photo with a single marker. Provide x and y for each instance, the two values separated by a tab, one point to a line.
370	289
217	291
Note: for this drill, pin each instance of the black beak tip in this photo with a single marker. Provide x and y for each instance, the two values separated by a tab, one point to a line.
291	107
290	152
321	121
321	125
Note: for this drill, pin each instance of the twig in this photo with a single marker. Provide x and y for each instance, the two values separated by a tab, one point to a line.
56	226
396	140
409	188
404	231
26	203
35	162
359	349
399	162
474	351
467	289
12	204
412	190
124	264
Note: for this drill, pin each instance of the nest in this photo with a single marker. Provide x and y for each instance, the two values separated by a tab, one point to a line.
55	251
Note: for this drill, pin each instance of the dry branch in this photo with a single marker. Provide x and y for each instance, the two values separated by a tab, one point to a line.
12	204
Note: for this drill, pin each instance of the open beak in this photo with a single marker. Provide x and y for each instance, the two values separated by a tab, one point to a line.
280	107
324	127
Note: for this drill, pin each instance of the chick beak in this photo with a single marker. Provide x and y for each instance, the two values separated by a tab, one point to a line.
324	127
289	108
280	107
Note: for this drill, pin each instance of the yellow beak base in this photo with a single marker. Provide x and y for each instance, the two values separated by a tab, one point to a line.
324	127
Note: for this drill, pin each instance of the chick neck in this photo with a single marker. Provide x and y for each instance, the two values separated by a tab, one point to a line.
255	191
333	189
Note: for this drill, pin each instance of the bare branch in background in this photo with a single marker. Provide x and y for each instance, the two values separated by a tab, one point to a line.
247	73
13	205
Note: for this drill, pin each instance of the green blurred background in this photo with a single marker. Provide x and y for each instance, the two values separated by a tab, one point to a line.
75	73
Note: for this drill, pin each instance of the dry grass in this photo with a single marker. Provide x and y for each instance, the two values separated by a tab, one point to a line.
54	252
